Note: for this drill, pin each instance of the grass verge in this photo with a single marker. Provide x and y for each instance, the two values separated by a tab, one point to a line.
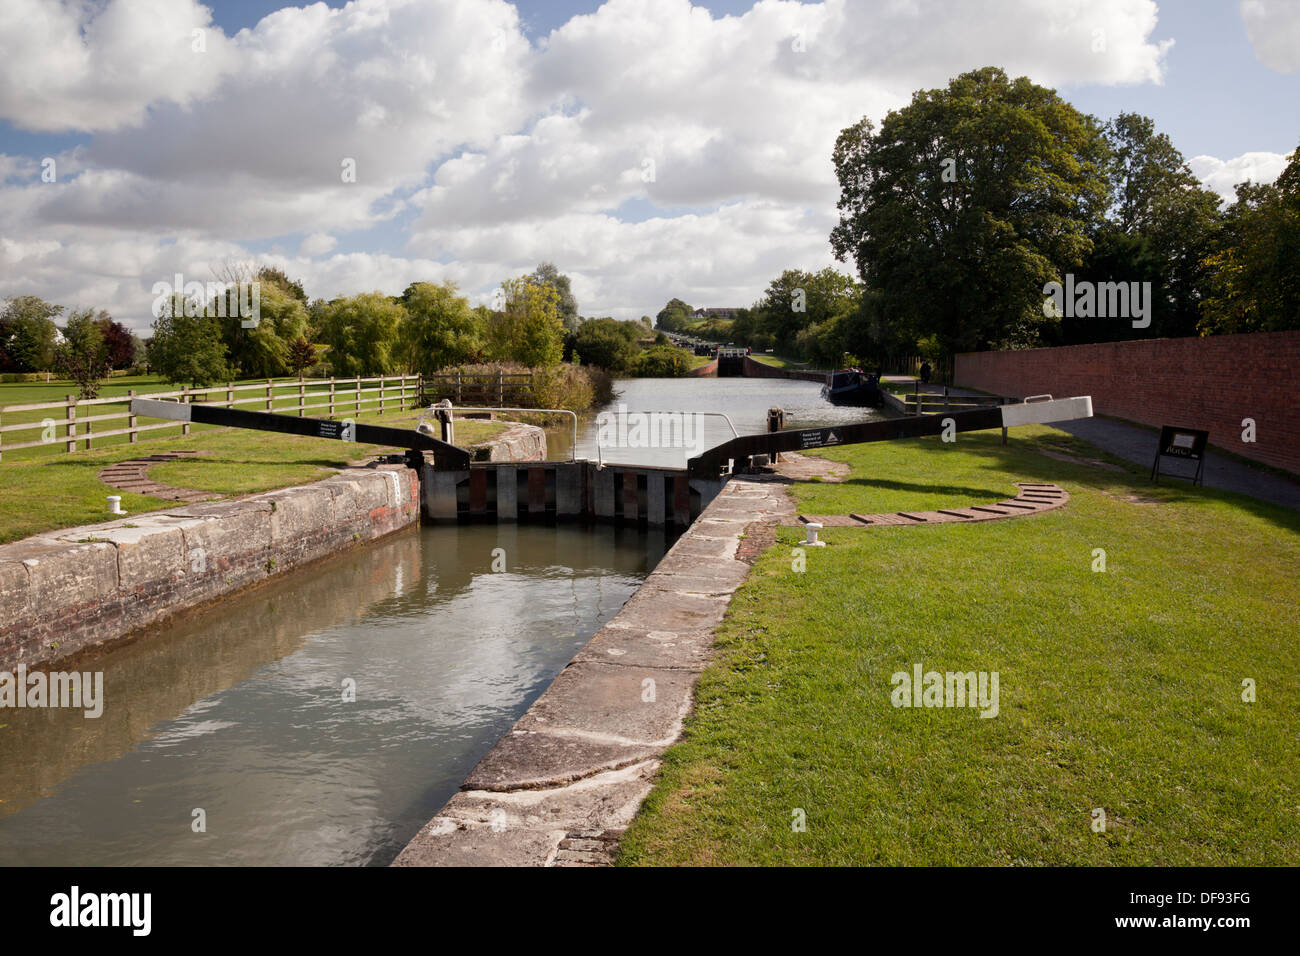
1120	691
63	491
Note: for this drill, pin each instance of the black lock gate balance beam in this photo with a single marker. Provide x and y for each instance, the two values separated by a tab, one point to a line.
711	464
445	457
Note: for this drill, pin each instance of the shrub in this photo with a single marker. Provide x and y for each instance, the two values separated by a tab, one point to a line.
607	343
558	386
662	362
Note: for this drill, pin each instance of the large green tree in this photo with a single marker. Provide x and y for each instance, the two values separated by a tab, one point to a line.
440	328
187	349
262	351
608	343
797	300
529	329
547	274
965	204
1160	228
28	334
362	333
270	275
675	316
1255	276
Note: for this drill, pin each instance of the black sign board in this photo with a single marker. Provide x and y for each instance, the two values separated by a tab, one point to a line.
1185	443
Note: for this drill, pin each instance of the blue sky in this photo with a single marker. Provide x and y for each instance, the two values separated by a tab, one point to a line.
651	150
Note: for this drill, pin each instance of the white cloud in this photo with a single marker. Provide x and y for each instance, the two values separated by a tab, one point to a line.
1273	27
1222	176
317	244
82	66
484	154
383	86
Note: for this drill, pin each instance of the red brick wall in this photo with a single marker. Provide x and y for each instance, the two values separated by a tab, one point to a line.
1211	383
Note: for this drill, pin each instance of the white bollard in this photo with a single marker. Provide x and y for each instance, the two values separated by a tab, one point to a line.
115	505
811	541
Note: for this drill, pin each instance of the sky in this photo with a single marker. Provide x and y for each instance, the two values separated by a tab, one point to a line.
650	148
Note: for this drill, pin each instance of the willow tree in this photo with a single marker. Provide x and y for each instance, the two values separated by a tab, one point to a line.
362	333
965	204
440	328
530	329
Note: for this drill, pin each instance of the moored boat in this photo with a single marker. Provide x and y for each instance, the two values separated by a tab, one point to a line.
851	386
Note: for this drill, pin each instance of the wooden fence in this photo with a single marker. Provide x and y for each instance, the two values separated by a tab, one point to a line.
334	396
478	388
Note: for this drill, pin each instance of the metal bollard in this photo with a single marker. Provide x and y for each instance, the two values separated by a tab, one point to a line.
775	422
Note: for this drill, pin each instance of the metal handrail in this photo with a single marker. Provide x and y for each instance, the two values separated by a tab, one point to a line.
734	433
600	455
573	448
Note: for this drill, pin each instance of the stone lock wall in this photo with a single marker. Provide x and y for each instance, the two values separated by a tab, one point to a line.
67	590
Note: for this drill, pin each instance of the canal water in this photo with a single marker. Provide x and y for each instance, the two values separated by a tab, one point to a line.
240	711
237	717
744	401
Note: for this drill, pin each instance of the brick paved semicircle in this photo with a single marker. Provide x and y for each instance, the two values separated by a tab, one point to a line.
1034	498
133	476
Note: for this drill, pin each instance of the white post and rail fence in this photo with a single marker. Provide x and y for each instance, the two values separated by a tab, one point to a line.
74	421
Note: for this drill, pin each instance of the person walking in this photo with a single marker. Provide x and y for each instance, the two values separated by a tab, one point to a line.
925	373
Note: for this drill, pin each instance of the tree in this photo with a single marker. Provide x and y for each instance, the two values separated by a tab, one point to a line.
794	302
1255	276
547	274
675	316
262	351
187	348
118	341
277	277
965	204
28	334
440	328
83	354
607	343
530	329
1162	215
362	333
302	356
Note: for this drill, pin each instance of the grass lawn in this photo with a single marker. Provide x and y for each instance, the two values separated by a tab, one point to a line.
1119	690
61	491
775	361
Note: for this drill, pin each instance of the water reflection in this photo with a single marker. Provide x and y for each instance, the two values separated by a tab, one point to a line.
239	711
744	400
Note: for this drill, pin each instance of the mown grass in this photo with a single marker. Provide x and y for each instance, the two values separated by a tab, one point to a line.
776	361
1119	690
64	491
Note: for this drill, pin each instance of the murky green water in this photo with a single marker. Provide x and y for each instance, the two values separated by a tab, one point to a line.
240	712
